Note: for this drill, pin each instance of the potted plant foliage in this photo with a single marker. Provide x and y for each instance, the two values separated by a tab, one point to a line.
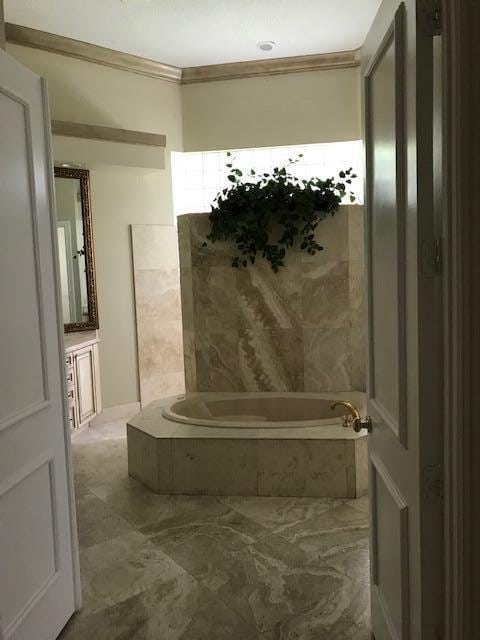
266	214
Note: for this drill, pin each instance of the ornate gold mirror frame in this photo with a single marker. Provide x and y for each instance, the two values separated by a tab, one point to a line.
83	175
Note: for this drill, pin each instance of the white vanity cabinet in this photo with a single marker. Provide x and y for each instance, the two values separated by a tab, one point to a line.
82	374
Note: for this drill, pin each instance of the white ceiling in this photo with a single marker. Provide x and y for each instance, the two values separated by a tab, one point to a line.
198	32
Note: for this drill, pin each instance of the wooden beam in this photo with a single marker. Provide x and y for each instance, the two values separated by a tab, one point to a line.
27	37
110	134
273	66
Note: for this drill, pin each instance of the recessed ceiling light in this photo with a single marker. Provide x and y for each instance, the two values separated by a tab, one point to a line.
266	45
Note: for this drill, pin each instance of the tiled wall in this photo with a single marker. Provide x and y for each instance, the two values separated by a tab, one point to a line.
158	311
302	329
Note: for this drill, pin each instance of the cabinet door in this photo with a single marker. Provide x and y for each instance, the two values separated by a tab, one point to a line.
85	378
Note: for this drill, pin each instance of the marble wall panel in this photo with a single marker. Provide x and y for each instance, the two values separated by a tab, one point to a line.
215	467
271	360
357	297
302	468
158	311
249	329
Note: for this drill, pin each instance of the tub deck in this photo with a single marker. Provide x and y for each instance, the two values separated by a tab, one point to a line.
174	458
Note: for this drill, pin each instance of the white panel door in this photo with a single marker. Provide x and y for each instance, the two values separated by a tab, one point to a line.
38	554
404	323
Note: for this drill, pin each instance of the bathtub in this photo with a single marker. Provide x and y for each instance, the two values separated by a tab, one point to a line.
257	410
265	444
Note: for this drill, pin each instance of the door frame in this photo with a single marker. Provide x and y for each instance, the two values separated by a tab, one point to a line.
65	413
461	162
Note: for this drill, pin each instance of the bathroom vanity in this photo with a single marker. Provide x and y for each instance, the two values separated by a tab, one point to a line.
82	373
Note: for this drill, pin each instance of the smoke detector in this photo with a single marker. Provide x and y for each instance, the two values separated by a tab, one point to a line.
266	45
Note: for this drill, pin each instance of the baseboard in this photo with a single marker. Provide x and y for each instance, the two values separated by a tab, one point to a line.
119	412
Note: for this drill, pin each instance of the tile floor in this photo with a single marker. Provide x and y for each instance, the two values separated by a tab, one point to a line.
201	568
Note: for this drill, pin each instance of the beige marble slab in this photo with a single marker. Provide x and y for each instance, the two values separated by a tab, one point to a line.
250	329
158	311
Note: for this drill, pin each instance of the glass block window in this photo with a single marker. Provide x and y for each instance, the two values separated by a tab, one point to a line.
198	176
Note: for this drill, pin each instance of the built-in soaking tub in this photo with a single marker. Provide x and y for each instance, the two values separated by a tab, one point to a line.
267	444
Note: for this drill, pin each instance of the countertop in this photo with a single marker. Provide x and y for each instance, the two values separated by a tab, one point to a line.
79	339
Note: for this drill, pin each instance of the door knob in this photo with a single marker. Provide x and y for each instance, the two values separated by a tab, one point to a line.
354	419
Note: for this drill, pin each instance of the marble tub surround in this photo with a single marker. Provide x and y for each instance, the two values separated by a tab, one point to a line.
250	329
170	457
158	311
211	568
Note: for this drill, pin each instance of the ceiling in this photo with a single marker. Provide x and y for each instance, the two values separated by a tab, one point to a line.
188	33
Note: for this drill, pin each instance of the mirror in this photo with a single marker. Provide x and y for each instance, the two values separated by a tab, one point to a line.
75	249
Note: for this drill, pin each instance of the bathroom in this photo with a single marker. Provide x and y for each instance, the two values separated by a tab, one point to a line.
217	412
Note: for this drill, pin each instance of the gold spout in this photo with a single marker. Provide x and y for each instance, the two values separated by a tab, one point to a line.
354	420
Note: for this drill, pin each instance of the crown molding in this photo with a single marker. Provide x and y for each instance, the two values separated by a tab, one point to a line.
273	66
109	134
27	37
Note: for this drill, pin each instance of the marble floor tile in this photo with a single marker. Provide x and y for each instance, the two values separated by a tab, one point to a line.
100	462
138	505
214	519
266	582
95	521
122	567
178	609
277	513
362	504
327	532
354	562
213	568
111	430
341	615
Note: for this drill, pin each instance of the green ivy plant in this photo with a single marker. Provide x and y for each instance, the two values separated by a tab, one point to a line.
266	214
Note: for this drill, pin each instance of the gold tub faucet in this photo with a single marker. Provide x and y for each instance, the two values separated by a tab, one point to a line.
353	418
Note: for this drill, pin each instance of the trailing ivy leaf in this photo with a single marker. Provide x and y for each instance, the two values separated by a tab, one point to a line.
266	216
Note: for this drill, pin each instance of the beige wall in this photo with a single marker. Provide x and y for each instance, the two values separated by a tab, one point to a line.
298	108
93	94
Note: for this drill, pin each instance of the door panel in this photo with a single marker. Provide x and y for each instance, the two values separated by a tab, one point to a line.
404	396
22	385
85	376
33	529
389	552
38	552
384	97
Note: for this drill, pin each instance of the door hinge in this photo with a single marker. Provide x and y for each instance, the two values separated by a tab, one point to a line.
432	13
433	481
432	259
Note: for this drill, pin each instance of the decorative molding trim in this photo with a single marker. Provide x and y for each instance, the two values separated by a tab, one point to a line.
274	66
110	134
25	36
